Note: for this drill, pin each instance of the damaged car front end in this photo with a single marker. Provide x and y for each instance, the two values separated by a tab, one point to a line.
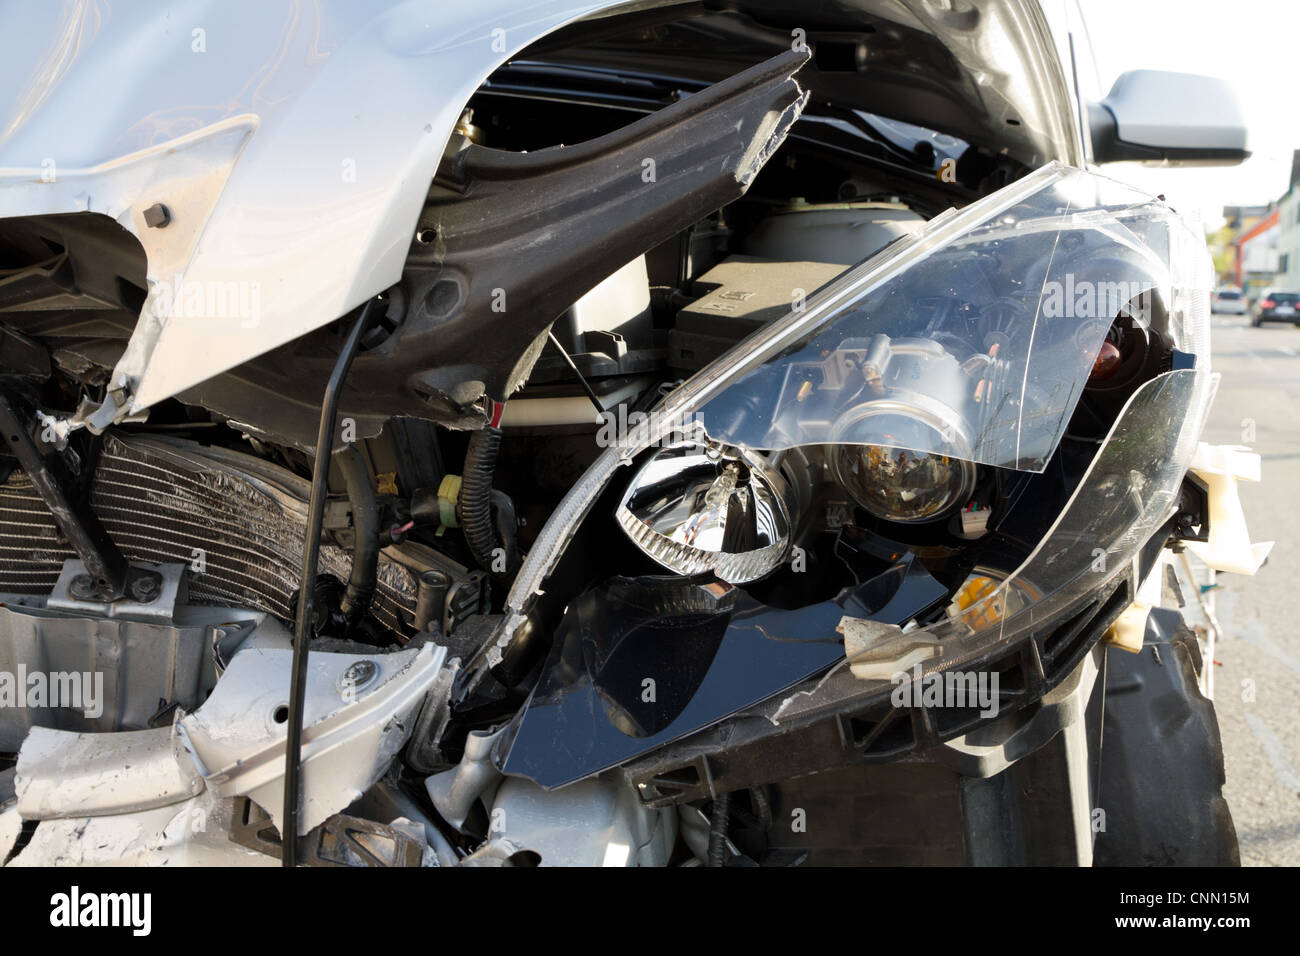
688	420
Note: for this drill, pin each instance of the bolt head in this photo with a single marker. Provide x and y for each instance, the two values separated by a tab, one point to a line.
157	216
145	588
82	587
358	675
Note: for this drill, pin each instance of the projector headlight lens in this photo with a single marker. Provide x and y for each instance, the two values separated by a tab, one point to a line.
695	511
902	485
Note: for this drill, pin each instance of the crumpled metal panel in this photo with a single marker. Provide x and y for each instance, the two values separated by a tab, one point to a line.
121	670
195	832
352	727
322	201
597	822
63	774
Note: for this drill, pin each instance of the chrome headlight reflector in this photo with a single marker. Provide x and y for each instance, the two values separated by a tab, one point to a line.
695	511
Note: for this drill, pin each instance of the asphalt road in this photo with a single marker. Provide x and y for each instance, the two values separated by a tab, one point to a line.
1257	693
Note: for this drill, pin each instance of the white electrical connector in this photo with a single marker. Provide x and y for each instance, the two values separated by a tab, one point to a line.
975	522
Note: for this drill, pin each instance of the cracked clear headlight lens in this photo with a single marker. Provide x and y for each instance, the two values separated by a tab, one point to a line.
694	511
975	339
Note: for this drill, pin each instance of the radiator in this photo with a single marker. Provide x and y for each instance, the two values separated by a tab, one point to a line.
240	518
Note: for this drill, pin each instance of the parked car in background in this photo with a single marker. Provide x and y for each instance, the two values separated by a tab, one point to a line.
1229	301
1277	305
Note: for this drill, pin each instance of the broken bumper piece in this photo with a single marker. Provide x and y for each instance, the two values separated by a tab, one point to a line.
144	789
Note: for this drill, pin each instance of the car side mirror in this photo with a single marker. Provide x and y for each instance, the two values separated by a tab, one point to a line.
1169	119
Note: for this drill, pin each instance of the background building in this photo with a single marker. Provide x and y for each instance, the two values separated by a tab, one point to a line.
1257	255
1288	230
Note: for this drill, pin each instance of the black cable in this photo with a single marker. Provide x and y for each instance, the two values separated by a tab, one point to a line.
474	503
591	393
719	820
365	528
507	525
477	501
307	586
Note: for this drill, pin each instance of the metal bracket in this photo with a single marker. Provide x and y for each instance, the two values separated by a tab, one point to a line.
152	592
339	841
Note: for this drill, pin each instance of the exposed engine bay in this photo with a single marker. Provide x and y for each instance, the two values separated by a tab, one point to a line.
503	672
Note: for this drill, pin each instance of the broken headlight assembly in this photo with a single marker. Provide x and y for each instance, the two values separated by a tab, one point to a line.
969	347
953	362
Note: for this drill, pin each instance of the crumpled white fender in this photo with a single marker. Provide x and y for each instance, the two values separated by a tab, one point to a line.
358	712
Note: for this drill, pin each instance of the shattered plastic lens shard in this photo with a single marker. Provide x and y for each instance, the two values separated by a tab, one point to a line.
638	662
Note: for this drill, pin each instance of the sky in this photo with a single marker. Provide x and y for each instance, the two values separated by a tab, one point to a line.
1254	44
